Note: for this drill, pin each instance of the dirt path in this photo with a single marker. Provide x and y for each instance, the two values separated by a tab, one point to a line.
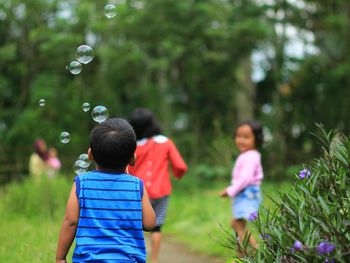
174	252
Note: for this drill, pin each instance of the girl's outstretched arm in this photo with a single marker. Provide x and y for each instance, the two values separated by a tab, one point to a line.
148	215
178	164
68	227
223	193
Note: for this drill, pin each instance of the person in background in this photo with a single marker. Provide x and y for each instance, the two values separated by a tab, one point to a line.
247	175
154	153
107	209
37	161
54	164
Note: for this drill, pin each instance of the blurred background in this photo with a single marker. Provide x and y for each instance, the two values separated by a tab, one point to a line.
201	66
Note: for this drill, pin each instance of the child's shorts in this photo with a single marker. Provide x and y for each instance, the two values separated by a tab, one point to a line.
160	207
246	202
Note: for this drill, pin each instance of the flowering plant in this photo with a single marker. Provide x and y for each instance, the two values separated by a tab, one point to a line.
311	223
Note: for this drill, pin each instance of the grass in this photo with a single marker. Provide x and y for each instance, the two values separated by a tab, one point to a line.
32	212
24	240
197	218
31	215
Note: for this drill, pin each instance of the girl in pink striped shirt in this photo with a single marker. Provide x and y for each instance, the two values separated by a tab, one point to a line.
247	175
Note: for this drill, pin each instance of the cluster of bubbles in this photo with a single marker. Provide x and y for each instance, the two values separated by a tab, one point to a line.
84	54
99	114
82	164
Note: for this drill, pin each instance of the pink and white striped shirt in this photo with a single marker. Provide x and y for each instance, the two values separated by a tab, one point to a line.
246	171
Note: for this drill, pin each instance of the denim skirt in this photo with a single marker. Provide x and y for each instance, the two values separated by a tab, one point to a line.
246	203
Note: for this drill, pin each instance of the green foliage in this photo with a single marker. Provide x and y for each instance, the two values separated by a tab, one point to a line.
315	210
217	164
183	60
205	173
173	57
35	199
33	240
31	215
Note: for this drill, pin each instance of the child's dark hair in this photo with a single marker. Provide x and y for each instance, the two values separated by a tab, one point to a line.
113	143
257	131
144	123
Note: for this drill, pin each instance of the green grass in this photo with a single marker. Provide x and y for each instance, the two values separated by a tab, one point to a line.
32	212
197	218
24	240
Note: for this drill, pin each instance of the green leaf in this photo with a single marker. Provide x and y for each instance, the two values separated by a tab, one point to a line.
324	205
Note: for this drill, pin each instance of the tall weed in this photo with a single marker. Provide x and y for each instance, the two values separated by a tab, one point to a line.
35	199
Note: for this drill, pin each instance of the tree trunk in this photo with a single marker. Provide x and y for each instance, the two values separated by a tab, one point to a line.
245	95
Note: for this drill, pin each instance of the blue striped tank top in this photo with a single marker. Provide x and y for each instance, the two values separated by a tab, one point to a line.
110	220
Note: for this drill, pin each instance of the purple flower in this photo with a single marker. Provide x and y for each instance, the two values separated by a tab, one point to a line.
265	236
329	260
253	216
325	248
298	245
304	173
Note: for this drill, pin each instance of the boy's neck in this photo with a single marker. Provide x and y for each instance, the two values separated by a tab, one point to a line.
118	171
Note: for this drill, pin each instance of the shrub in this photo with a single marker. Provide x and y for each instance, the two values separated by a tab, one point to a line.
35	199
311	223
208	173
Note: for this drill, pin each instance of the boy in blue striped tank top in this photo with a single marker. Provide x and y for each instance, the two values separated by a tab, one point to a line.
107	209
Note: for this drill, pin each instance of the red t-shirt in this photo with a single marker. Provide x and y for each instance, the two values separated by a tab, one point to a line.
153	156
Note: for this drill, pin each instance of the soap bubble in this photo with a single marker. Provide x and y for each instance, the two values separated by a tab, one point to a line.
78	167
86	106
75	67
84	54
110	11
42	102
65	137
86	161
99	113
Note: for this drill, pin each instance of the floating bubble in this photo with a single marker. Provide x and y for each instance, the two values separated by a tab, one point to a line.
86	106
78	167
42	102
99	113
110	11
75	67
86	161
65	137
84	54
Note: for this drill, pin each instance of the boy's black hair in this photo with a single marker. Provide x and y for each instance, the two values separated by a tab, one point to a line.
113	143
144	123
257	131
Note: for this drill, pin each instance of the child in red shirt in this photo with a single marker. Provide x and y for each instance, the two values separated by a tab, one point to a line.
154	152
